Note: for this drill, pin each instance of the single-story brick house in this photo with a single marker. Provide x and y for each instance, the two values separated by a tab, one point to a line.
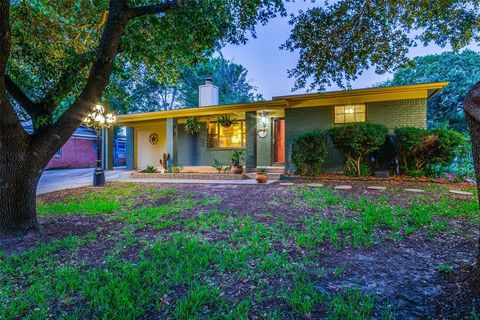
266	129
78	152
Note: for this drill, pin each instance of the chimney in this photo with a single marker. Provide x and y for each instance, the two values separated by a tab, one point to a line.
208	94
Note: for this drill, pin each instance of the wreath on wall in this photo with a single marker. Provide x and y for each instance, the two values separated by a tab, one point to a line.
153	138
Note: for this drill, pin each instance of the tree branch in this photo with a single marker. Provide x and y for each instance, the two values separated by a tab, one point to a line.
58	92
154	8
23	100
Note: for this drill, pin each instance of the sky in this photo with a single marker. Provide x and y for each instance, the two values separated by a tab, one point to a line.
267	65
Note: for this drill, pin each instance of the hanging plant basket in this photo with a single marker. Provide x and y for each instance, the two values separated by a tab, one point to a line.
226	122
192	126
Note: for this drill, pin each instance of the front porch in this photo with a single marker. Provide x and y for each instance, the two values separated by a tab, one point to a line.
258	135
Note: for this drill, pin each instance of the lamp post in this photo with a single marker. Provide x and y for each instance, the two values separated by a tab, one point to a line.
98	120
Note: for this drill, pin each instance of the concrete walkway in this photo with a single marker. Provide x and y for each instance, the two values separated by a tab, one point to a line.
55	180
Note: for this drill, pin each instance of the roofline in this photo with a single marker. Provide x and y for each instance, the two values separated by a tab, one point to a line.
414	91
362	91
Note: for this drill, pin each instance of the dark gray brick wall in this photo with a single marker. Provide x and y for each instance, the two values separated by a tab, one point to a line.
194	151
264	146
393	114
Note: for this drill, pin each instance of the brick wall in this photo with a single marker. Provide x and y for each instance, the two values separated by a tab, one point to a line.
399	113
264	146
390	113
194	151
76	153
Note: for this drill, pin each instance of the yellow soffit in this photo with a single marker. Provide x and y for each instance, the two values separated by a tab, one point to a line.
418	91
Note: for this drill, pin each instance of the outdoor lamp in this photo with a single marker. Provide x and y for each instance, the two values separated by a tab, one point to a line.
98	120
262	132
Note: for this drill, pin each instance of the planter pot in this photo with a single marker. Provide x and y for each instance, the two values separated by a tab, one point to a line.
236	169
261	177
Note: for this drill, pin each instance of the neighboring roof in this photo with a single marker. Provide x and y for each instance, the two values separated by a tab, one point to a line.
416	91
81	132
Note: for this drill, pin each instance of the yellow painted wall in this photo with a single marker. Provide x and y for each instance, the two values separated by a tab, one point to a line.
147	154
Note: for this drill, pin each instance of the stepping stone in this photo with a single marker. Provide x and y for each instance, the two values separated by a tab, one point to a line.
415	190
315	185
287	184
376	188
343	187
462	193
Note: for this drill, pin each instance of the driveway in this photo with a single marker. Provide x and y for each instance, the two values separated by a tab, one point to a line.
54	180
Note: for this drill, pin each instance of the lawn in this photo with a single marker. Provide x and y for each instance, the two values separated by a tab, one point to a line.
244	252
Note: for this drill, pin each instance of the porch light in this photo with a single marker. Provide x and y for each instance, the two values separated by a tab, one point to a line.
262	132
98	120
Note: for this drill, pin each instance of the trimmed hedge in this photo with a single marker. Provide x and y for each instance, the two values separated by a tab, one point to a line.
309	151
358	141
418	149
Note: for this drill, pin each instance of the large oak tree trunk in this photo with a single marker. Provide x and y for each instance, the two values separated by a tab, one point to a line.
18	202
472	113
23	156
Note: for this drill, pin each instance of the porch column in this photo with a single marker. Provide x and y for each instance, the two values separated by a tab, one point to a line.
172	139
107	148
130	148
251	140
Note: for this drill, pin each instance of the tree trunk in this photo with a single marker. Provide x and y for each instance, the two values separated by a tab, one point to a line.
18	201
472	113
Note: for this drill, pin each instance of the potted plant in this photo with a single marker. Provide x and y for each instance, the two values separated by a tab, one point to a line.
192	126
262	175
226	121
236	168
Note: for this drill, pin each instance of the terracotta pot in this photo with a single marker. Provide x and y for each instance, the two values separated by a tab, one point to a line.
261	177
236	169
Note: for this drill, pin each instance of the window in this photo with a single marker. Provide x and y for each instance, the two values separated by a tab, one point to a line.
58	154
350	114
231	137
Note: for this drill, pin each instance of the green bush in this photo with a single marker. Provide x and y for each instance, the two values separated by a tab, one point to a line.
308	153
422	150
357	142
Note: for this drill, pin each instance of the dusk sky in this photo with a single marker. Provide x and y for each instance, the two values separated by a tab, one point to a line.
267	65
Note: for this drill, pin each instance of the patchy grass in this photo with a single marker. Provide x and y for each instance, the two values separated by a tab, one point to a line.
262	252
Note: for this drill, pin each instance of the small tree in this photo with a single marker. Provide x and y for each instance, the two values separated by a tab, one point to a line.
308	153
419	148
358	141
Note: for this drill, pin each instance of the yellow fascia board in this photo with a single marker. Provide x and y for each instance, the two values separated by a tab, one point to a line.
201	111
397	91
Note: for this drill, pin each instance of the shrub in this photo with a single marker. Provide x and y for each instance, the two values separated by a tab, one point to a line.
421	150
357	142
150	169
308	153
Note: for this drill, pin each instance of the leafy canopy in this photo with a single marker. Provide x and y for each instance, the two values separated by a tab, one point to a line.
338	41
54	42
461	70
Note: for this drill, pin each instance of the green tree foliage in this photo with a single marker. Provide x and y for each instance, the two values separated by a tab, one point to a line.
308	153
54	43
341	39
420	149
138	90
461	70
357	142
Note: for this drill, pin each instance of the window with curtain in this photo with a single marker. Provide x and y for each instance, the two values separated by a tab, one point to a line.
222	137
350	114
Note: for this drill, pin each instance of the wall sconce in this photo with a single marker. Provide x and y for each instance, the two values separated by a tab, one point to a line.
262	131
